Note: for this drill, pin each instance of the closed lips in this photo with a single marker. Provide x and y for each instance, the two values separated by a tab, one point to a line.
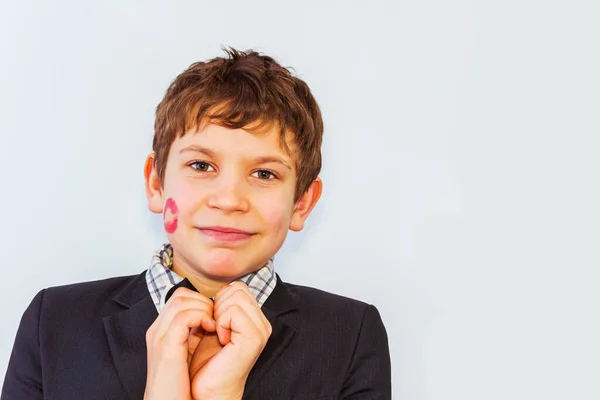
226	234
224	230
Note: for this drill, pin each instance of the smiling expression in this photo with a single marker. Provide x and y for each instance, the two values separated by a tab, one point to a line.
228	200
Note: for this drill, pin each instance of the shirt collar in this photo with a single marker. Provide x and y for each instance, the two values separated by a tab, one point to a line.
160	278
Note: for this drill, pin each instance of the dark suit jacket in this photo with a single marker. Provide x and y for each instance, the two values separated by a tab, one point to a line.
87	341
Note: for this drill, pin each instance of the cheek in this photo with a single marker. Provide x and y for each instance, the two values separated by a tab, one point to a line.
171	215
276	218
275	209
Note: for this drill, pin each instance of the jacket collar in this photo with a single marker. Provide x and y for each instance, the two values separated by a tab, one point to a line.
126	332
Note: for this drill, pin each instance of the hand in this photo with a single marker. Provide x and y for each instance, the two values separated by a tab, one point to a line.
243	331
209	346
171	341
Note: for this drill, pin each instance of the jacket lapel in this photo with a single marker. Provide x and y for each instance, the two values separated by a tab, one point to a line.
126	333
281	301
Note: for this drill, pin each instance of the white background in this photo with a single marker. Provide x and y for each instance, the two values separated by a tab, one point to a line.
460	168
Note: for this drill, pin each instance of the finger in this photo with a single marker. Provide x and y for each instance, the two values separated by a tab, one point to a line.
180	304
234	296
195	337
185	292
188	294
235	325
224	334
255	309
208	347
228	290
177	305
234	320
238	296
179	330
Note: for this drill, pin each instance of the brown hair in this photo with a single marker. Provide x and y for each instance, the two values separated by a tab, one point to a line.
243	90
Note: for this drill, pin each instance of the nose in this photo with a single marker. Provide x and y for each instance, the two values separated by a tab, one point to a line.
229	194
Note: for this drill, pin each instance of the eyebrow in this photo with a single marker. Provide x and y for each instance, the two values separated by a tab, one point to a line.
197	149
259	160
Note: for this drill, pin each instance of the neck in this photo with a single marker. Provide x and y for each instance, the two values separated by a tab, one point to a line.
207	285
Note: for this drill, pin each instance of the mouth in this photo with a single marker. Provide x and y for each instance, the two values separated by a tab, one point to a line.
225	234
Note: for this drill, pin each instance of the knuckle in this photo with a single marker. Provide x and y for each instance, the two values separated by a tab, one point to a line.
180	319
239	295
238	284
150	332
245	297
181	291
269	329
204	315
177	301
236	308
229	310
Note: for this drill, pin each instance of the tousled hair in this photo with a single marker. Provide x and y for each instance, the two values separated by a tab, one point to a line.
246	90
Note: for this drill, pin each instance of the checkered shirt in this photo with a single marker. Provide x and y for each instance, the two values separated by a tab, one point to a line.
161	278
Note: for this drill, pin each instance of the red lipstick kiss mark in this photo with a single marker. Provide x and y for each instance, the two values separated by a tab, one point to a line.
170	215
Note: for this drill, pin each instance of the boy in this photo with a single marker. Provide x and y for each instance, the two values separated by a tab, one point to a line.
235	164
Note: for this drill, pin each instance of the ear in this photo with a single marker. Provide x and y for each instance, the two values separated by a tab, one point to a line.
153	186
305	204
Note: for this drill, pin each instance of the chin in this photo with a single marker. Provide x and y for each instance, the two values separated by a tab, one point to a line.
223	266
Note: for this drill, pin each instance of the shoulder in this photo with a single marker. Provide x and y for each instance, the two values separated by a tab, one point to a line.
83	295
106	286
343	340
79	304
321	299
319	305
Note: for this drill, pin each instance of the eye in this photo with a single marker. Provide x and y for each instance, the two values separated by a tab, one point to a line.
200	166
265	175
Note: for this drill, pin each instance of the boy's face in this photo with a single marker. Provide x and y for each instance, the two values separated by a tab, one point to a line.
227	200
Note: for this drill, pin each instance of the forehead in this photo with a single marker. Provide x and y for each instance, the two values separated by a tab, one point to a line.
252	141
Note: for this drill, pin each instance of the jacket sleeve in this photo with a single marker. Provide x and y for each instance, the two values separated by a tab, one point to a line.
369	375
23	378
